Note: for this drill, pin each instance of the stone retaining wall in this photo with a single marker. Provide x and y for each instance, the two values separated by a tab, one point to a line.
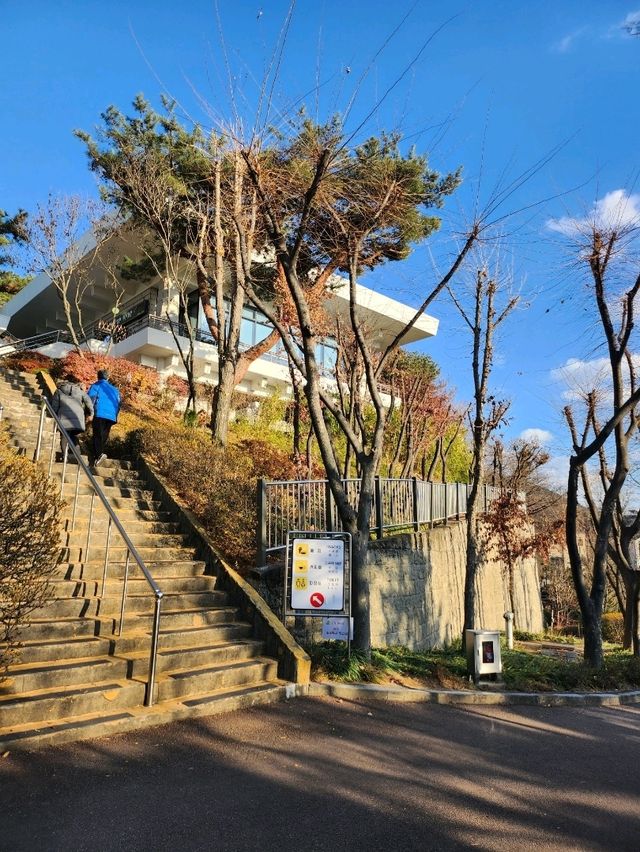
417	590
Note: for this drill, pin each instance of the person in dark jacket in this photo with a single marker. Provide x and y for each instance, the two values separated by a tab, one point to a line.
106	405
71	403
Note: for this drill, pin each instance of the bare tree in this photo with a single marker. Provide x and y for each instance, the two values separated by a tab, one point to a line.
620	567
510	527
67	238
609	421
488	413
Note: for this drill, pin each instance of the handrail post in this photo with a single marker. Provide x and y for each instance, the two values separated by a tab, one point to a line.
124	592
446	503
416	522
86	549
53	447
261	527
43	412
75	499
106	557
431	512
153	657
377	490
65	456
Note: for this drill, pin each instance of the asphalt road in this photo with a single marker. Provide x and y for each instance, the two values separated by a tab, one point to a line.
337	775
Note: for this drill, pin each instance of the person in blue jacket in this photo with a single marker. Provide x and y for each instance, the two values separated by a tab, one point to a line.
106	406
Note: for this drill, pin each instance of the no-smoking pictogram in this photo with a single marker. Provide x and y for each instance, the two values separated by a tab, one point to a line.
316	599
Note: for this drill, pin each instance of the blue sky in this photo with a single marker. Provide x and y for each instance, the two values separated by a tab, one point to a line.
498	86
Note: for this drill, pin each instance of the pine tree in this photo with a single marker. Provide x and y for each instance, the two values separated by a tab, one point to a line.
12	232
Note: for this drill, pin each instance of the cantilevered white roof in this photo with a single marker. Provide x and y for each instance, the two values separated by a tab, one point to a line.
381	315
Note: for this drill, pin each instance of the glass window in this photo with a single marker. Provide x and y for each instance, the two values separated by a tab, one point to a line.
326	356
247	329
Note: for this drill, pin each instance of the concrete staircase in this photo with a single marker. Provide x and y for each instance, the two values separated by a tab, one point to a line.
77	678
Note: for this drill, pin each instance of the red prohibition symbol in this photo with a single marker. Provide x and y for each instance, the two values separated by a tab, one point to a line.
316	599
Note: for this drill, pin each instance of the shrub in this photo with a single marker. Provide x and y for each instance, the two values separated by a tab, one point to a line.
177	385
28	362
613	627
29	545
135	382
219	486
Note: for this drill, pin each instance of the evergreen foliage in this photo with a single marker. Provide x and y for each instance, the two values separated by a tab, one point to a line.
12	233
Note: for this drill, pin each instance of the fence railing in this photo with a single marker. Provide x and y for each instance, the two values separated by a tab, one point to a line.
397	504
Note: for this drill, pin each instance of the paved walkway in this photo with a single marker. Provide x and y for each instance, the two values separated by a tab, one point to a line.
327	774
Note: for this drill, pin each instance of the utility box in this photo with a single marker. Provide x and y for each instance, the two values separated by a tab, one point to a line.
483	653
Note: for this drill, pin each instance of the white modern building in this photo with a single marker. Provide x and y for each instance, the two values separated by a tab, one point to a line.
144	334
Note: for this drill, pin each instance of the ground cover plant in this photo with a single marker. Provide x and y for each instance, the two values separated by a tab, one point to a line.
524	669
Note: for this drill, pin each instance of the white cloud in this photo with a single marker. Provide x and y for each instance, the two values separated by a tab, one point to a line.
581	377
632	23
556	472
565	44
616	210
539	436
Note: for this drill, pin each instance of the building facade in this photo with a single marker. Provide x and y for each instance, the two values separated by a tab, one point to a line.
139	328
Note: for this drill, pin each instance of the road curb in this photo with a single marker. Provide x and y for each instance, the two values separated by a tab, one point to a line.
366	692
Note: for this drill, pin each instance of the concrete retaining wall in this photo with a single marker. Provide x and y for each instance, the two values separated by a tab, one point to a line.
417	585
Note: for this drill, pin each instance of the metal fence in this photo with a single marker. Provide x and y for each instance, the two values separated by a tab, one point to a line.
397	504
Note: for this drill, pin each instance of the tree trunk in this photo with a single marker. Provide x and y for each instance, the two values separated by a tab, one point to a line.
631	640
592	626
634	604
221	403
472	564
512	590
360	593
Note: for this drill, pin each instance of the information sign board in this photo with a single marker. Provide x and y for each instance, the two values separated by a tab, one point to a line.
316	579
337	628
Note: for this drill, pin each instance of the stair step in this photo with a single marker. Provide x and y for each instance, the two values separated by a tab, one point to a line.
118	553
132	526
181	619
92	607
184	637
67	648
139	537
208	678
126	513
188	659
26	677
93	725
136	586
85	489
64	628
93	570
71	700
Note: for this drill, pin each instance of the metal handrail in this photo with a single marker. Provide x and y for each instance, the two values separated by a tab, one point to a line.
113	521
20	344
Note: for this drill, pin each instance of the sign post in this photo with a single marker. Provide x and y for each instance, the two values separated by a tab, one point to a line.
318	577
